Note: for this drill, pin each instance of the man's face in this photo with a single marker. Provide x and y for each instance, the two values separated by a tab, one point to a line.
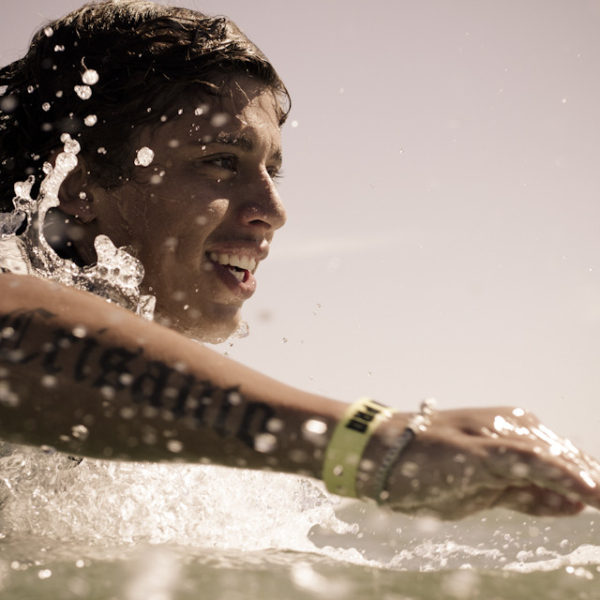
202	214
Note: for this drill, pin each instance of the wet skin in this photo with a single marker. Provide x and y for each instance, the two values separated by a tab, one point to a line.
209	192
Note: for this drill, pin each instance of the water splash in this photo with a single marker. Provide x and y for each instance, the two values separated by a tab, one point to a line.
52	496
116	276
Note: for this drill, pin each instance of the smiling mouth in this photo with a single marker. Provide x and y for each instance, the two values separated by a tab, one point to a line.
241	267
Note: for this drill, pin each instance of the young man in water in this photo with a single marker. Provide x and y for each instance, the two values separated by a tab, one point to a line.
178	117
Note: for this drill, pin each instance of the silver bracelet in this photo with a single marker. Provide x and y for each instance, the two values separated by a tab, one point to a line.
417	423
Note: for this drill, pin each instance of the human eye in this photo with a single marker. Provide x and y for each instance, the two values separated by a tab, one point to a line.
224	162
275	173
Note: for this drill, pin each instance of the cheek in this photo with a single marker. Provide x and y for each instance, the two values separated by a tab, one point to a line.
184	228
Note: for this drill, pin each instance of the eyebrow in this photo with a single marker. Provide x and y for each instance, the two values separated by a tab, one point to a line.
244	142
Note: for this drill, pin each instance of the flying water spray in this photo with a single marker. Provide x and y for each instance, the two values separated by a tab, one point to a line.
116	276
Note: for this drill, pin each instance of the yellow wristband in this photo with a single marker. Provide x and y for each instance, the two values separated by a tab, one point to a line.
348	443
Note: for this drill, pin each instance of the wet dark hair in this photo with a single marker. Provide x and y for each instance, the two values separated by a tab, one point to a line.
148	57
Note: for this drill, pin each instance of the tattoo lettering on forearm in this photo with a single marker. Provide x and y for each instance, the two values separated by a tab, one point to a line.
150	383
61	341
13	329
82	369
114	364
256	418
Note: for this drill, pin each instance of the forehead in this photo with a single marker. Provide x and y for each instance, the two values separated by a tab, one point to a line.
243	110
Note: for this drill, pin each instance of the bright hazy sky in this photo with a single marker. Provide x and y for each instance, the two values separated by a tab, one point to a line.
442	178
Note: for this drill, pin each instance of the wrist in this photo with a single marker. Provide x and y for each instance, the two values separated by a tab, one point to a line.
344	452
366	444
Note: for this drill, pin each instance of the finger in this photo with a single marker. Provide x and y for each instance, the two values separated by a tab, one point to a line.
573	474
533	500
570	474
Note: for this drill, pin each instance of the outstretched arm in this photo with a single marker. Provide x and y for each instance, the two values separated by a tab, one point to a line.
87	377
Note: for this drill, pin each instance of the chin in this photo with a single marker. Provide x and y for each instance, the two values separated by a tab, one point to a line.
210	330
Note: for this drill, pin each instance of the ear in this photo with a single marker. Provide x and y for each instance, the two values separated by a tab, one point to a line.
76	194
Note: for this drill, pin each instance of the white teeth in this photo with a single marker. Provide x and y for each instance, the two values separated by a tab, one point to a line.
239	275
233	260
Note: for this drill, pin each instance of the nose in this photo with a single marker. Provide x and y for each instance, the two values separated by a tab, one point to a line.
262	207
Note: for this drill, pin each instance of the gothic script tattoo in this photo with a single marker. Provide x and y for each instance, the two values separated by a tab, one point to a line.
81	357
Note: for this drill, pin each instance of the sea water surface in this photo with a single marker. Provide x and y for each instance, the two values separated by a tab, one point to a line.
109	530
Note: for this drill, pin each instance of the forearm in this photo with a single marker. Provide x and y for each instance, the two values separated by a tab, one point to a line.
141	391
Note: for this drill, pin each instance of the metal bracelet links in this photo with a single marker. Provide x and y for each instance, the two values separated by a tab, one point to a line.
418	423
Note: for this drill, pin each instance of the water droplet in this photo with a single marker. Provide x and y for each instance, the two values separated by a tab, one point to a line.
294	124
48	381
409	469
128	412
101	150
7	332
219	119
48	32
80	432
83	91
314	427
144	157
90	77
265	442
9	103
234	398
7	396
59	48
71	146
79	331
90	120
46	106
520	470
44	573
274	425
107	392
174	446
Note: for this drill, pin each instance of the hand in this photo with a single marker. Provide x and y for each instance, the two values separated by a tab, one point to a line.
469	460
